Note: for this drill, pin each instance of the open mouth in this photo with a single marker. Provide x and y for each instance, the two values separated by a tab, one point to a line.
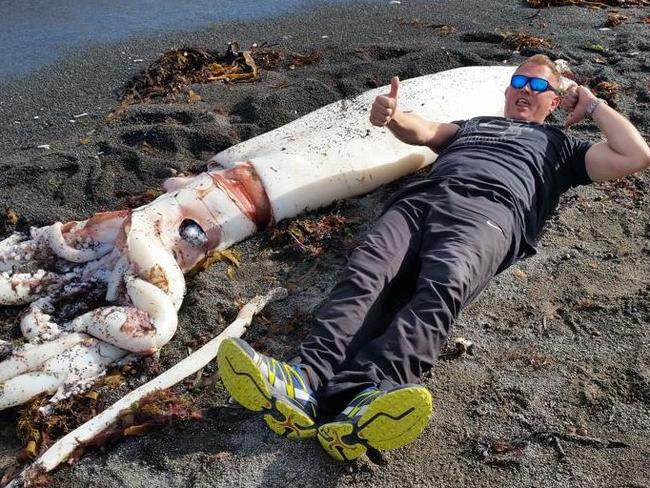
522	102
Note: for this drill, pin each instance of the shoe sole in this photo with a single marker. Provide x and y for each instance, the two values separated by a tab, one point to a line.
246	383
391	421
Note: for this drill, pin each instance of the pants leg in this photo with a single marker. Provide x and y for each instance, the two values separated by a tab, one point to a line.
465	242
358	308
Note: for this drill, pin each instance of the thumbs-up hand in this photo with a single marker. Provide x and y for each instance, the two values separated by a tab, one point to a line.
385	106
576	101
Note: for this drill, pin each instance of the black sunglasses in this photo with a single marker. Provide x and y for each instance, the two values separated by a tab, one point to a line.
536	84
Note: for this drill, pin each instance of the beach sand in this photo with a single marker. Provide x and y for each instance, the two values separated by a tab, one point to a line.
562	360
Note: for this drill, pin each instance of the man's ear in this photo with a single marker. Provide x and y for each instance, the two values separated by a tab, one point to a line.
555	104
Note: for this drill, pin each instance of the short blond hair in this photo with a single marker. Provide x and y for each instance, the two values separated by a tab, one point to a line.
543	60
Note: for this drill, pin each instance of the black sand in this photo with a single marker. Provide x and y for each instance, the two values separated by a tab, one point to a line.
562	339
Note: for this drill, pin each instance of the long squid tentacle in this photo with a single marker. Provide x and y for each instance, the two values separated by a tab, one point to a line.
23	288
80	359
31	356
142	328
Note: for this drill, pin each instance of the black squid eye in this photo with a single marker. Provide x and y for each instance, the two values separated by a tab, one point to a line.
192	233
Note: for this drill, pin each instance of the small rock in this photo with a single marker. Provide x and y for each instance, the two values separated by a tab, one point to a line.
519	274
593	395
464	346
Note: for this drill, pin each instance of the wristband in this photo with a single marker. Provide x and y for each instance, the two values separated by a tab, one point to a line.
593	105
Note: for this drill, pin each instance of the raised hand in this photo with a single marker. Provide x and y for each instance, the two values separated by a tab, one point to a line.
385	106
576	101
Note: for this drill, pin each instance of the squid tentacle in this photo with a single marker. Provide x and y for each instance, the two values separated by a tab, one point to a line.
142	328
78	367
31	356
154	264
11	241
79	361
116	278
24	387
59	246
23	288
18	250
37	323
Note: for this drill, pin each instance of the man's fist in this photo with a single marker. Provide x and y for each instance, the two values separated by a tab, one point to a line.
384	107
576	101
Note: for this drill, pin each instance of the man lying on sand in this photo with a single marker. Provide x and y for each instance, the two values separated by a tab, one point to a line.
437	244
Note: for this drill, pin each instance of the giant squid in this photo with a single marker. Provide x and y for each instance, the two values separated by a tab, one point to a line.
136	259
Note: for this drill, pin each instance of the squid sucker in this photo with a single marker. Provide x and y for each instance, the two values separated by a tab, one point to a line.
138	258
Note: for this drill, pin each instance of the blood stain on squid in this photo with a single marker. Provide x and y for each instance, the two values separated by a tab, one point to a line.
137	324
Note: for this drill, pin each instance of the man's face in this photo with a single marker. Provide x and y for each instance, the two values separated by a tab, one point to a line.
526	104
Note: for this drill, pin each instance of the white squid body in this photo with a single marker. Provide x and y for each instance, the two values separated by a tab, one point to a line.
140	256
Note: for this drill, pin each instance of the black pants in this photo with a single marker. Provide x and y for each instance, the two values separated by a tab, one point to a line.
428	256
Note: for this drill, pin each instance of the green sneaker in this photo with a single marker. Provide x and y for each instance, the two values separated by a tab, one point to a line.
379	419
260	383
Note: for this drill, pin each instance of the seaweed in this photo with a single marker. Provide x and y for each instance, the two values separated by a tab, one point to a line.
607	90
161	408
229	256
179	68
614	19
176	70
312	236
11	217
521	40
299	60
37	432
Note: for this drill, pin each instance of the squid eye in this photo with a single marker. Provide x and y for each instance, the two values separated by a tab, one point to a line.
192	233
